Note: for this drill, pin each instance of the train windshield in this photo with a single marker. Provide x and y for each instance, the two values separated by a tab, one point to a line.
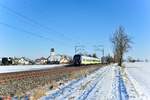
77	57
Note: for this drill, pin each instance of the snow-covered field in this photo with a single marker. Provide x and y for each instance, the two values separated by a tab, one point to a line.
18	68
139	74
107	83
104	84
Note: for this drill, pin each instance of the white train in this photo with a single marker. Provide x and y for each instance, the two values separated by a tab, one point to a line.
85	60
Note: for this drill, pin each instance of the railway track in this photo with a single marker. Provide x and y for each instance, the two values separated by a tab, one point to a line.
37	76
6	77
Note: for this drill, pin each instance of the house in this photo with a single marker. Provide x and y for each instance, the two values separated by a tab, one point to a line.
24	61
65	59
41	61
15	61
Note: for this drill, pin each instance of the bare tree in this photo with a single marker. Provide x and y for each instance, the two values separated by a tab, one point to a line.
121	44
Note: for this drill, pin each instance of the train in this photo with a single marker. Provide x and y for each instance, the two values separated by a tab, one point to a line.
79	59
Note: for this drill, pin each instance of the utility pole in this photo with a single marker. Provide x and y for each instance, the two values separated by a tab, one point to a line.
103	51
79	48
100	48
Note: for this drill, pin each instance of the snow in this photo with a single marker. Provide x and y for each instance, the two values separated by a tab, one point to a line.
104	84
107	83
104	87
138	74
18	68
120	84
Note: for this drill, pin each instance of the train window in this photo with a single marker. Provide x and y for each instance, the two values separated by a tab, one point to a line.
77	57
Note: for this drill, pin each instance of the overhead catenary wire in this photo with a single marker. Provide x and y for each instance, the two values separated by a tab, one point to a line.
99	48
27	32
34	21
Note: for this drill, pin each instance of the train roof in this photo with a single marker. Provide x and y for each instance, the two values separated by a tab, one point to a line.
88	57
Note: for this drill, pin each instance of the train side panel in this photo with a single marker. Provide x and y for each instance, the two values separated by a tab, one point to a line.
89	60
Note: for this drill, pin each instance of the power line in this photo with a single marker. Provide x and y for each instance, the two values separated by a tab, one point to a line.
99	48
27	32
79	49
33	21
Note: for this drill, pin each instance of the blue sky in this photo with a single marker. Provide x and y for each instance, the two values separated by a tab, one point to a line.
85	22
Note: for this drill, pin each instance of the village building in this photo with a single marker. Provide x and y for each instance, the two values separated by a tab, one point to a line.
41	61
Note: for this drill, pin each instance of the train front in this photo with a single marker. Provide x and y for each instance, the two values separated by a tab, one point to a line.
77	60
